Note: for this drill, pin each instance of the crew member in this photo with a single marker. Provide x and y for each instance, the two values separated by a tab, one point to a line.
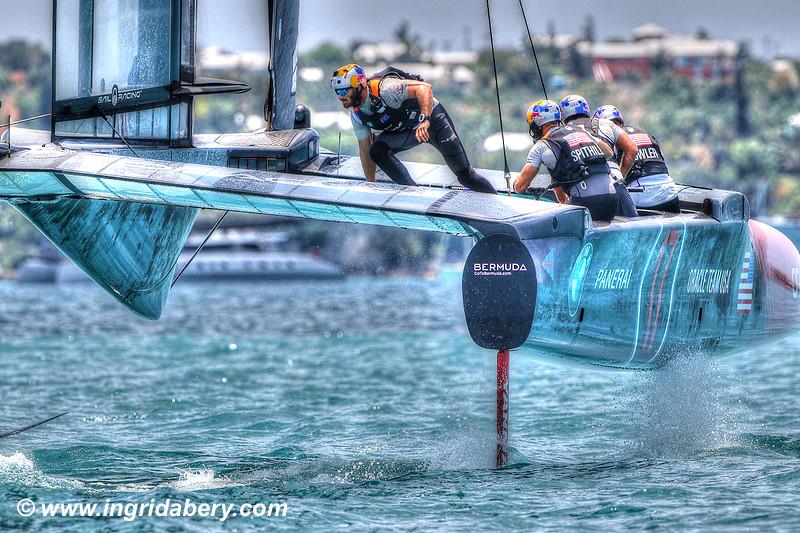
613	140
574	159
402	108
649	171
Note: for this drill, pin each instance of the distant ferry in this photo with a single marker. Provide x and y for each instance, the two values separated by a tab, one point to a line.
226	256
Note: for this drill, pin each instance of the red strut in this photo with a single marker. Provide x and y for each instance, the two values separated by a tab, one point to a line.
502	407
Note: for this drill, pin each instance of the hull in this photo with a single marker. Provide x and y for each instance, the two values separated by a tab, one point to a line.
543	278
631	295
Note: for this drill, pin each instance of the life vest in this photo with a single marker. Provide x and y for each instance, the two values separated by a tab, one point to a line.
649	160
578	155
383	117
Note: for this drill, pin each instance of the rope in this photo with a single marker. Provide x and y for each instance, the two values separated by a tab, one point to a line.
189	262
507	173
29	119
103	115
30	426
533	49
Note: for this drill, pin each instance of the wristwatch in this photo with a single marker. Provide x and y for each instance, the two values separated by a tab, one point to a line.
422	117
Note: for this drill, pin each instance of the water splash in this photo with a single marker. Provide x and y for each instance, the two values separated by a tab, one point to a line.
200	479
15	462
466	448
19	469
681	409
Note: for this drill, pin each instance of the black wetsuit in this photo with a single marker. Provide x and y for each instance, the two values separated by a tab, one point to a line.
582	171
625	205
601	206
443	137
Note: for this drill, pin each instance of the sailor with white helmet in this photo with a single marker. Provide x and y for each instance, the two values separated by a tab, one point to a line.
649	171
575	112
574	159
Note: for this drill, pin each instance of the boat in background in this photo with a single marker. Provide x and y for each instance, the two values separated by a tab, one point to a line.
237	255
227	256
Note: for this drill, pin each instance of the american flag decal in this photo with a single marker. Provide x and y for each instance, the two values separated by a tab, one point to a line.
577	138
744	302
641	139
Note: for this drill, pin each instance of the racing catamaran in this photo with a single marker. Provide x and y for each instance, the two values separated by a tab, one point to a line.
119	180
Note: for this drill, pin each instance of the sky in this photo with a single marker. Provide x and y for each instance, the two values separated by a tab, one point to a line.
770	26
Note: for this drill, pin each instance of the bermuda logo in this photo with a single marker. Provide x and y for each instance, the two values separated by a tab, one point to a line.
497	269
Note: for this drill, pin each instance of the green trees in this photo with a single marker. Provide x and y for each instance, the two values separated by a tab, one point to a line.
24	79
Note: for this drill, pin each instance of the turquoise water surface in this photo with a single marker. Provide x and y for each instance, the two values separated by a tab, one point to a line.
363	404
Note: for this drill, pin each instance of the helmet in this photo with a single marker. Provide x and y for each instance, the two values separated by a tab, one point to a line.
574	104
348	76
541	113
610	112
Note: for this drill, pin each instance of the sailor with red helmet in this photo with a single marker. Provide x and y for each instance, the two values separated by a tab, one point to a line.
401	107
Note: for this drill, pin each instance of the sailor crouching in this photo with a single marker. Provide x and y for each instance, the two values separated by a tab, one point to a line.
618	148
401	108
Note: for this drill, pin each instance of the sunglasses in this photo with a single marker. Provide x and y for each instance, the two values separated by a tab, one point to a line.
341	92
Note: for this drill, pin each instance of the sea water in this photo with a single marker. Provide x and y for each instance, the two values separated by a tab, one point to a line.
362	404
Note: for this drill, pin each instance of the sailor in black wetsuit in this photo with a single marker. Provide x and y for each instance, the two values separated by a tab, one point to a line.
618	148
574	159
402	108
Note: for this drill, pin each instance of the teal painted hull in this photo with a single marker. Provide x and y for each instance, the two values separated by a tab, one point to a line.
632	295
